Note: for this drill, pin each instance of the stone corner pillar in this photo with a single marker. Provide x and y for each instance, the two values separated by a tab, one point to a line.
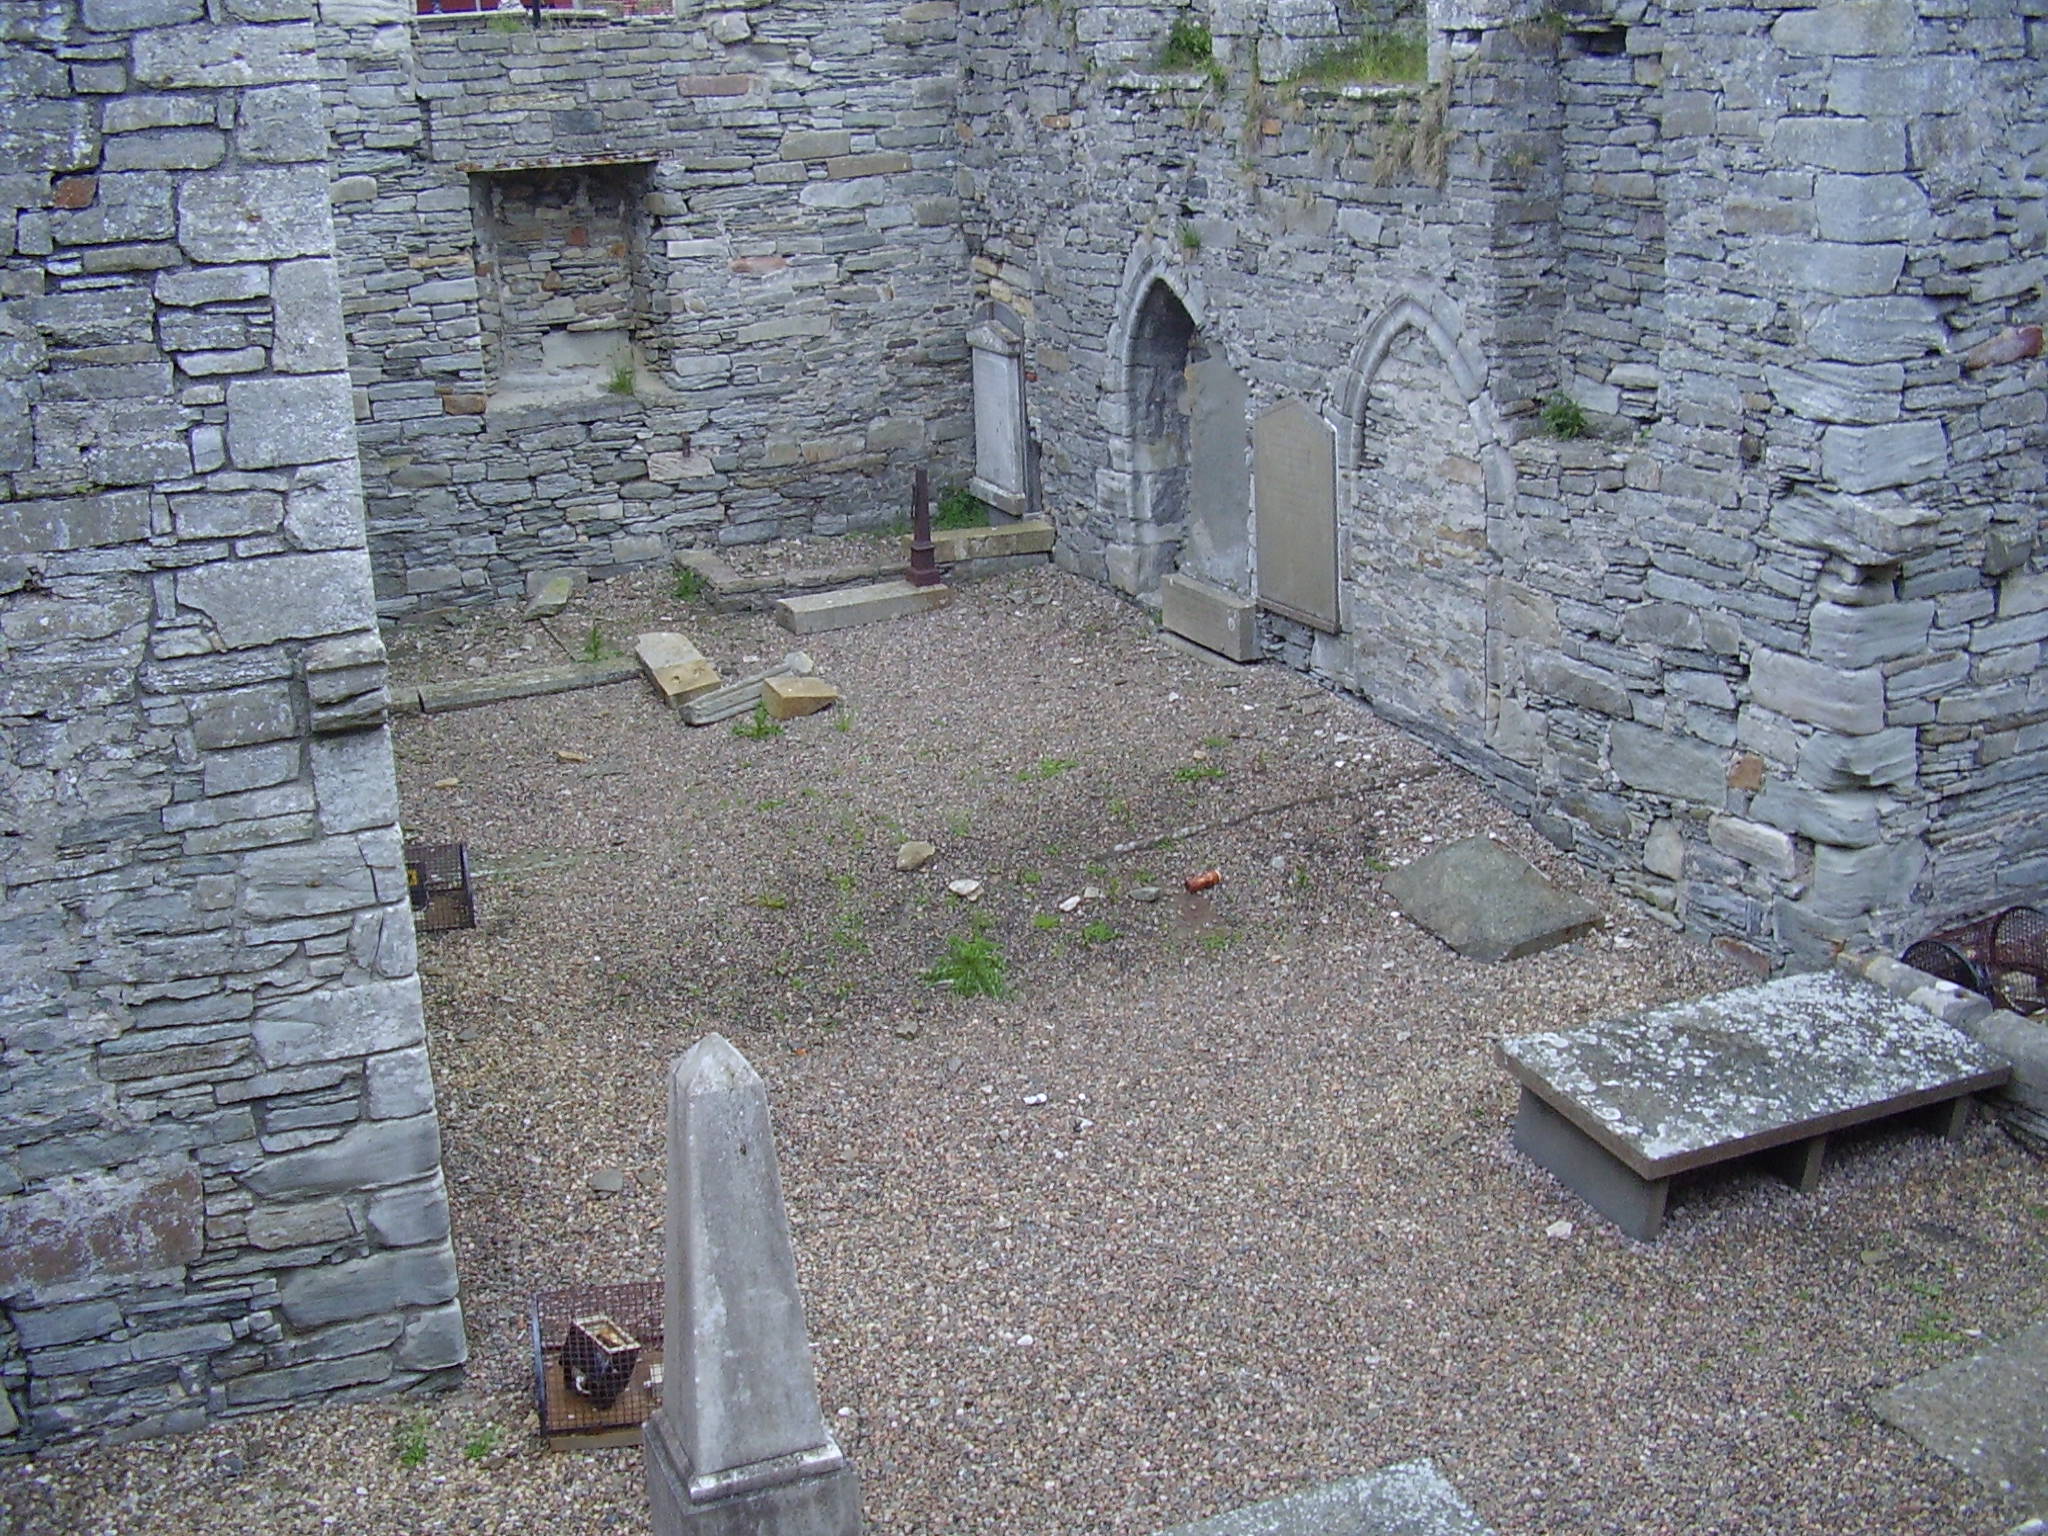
739	1445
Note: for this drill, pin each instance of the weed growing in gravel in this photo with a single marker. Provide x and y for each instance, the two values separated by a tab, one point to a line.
1031	877
482	1443
1120	810
757	726
596	648
771	901
1097	932
972	967
1045	922
1217	943
409	1440
690	585
958	823
1195	773
1048	768
842	720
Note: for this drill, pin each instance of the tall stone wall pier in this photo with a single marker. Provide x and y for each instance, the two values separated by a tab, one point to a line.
220	1182
1766	643
618	288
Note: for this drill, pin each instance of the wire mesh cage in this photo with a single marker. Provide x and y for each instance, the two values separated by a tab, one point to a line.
2003	957
437	880
596	1361
2019	959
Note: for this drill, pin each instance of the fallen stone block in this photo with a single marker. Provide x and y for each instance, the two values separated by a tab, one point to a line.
1216	620
1487	903
675	667
788	697
851	606
737	698
551	596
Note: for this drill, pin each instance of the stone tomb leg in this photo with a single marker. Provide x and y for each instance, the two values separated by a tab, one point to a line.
1633	1203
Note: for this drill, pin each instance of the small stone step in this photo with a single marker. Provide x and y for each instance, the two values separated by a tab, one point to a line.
1212	618
851	606
950	546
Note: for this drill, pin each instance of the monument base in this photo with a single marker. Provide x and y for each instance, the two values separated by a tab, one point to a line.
815	1504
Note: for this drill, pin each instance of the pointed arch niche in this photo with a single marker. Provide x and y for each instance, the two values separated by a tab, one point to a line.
1186	454
1427	472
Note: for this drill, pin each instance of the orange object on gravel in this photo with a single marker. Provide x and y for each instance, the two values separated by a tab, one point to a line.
1206	879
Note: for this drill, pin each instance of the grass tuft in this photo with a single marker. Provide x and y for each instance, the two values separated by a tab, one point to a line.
972	967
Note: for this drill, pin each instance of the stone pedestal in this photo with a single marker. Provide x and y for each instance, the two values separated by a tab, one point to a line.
814	1501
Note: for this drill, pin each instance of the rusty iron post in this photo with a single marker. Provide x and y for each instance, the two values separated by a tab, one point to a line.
924	567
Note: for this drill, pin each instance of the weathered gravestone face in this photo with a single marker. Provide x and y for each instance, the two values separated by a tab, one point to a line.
1000	462
739	1443
1294	474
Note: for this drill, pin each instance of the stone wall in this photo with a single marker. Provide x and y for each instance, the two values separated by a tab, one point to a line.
220	1179
800	290
1766	645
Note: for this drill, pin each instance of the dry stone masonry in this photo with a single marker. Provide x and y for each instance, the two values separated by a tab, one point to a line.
220	1182
1270	350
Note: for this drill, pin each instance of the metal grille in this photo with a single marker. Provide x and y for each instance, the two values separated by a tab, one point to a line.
2003	957
2019	959
578	1404
437	880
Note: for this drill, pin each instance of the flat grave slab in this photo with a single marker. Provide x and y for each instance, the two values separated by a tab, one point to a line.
1620	1107
1488	903
1411	1499
849	606
1987	1414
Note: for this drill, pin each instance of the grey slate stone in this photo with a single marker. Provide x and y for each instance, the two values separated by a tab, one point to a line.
1666	764
301	420
363	1157
1987	1414
406	1218
281	597
1850	702
433	1340
1411	1499
255	215
339	1023
1487	903
306	301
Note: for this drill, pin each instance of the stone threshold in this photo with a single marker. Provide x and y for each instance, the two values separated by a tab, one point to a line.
963	553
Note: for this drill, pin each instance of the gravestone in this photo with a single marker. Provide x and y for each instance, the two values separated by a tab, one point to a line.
1411	1499
1988	1414
738	1446
1294	479
1618	1108
1001	431
1487	903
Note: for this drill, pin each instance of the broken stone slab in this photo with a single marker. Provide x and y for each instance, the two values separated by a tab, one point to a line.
739	1443
1987	1414
674	666
437	698
551	596
786	698
1410	1499
738	698
1487	903
850	606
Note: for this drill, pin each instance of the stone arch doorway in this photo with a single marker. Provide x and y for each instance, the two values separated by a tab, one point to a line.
1190	485
1426	473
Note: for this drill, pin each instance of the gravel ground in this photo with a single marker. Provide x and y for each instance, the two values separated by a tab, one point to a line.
1216	1202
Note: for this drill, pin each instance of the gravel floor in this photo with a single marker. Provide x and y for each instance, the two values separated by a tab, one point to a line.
1218	1201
